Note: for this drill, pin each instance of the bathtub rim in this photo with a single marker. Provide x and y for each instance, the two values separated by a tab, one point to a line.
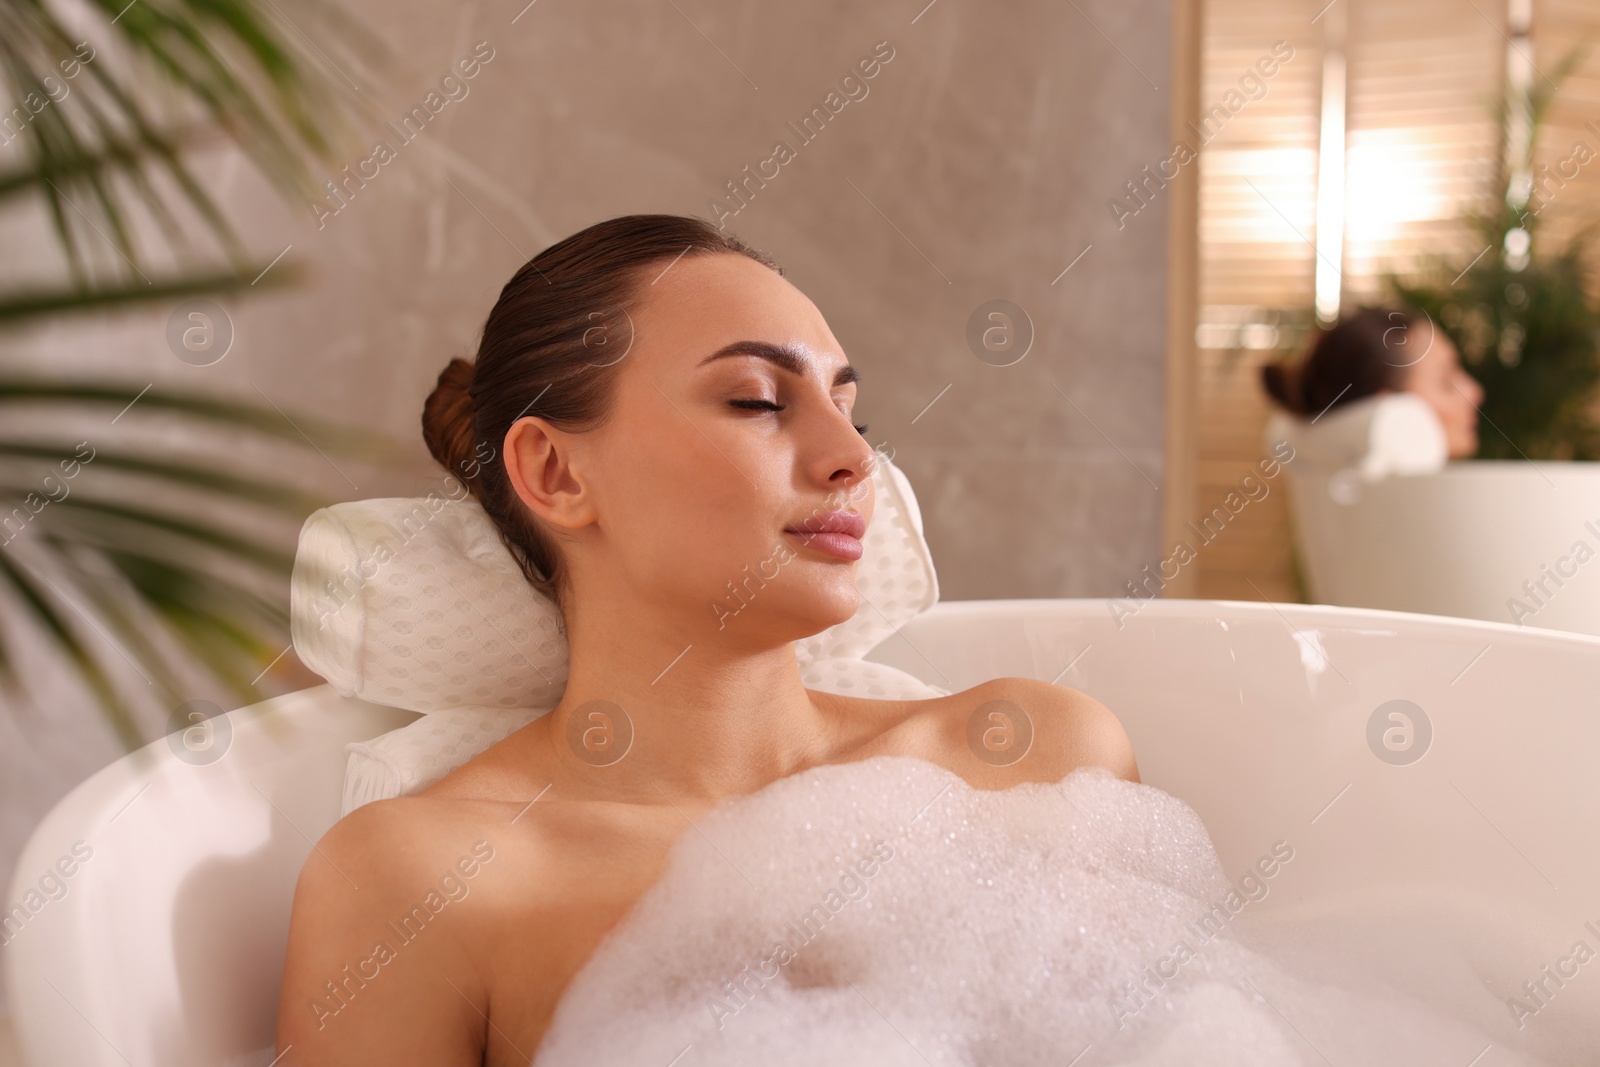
321	721
1186	607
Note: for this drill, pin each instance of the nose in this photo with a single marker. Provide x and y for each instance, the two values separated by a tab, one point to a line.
847	460
857	461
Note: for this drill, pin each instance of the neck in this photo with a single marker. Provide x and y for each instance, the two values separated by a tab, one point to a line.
687	711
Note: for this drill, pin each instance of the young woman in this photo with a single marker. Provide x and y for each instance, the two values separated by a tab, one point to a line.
1382	350
652	408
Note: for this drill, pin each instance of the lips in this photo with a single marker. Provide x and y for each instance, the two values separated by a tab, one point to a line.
837	533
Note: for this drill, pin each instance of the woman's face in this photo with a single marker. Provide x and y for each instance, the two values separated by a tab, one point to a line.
1453	393
695	478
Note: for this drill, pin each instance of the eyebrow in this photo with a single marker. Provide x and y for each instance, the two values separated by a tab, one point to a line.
788	357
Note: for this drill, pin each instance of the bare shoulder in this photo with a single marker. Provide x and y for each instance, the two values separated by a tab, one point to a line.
384	915
1010	730
1079	730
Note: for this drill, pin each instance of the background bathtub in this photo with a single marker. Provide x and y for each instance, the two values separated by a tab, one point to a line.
1460	542
168	946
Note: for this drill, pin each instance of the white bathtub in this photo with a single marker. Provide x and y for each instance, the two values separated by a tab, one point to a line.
1509	541
167	948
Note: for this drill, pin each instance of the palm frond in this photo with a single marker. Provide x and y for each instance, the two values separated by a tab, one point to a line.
25	304
131	559
123	570
118	710
204	407
1527	329
100	156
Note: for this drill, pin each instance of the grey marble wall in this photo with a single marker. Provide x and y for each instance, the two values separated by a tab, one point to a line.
975	166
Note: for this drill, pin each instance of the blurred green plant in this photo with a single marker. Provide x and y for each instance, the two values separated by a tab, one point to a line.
1521	312
129	565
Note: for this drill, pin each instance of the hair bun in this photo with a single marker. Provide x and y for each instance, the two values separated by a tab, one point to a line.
447	418
1281	382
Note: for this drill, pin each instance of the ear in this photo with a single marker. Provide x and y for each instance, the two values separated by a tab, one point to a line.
539	463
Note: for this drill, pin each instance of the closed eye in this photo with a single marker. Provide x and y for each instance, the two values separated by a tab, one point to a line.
760	404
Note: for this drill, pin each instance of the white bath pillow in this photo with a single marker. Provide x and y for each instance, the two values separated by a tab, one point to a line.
415	603
1369	439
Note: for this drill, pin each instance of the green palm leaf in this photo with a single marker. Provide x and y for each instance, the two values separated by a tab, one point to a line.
140	574
99	153
1529	332
112	564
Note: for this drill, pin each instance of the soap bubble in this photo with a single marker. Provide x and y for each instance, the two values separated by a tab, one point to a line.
883	911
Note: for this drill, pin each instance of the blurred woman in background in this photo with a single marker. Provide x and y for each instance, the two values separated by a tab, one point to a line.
1381	350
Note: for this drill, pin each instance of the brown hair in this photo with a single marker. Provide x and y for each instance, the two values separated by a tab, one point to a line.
1364	352
550	348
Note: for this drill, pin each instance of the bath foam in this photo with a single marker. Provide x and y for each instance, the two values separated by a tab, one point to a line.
884	912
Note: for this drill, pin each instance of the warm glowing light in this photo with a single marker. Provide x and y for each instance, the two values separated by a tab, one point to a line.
1395	178
1330	186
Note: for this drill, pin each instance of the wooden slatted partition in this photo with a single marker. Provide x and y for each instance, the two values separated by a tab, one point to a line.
1420	141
